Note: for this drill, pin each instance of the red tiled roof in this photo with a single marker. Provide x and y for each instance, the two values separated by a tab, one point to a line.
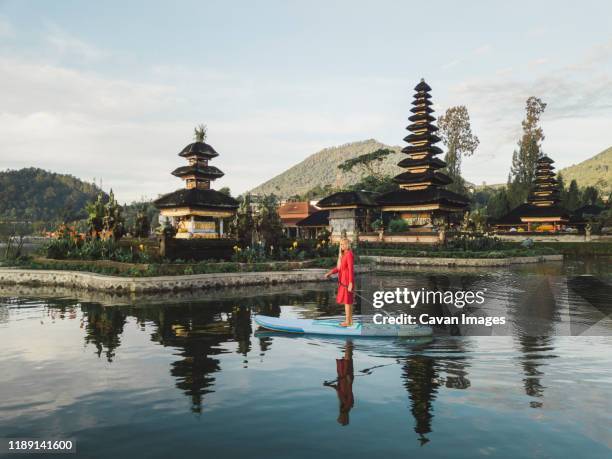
295	211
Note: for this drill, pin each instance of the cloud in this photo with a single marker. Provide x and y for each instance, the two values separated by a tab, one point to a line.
594	58
579	107
68	45
451	64
6	28
128	131
484	49
32	87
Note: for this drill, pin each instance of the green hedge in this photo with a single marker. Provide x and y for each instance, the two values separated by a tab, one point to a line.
164	269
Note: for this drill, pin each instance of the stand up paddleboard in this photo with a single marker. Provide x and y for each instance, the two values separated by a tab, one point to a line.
333	327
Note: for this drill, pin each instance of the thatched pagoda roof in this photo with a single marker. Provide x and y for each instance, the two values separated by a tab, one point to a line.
531	211
194	198
199	171
429	195
435	163
349	198
201	149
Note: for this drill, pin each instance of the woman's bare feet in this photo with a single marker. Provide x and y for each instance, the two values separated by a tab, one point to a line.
346	324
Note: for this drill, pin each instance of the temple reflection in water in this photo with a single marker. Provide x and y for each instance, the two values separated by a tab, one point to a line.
198	332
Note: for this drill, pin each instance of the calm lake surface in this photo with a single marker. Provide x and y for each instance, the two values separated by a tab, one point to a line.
189	374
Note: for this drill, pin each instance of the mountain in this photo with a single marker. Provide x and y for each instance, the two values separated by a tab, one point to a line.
595	171
321	169
34	194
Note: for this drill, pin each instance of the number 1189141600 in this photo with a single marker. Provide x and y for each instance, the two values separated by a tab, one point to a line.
28	445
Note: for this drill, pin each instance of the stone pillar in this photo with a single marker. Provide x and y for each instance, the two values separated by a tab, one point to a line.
221	227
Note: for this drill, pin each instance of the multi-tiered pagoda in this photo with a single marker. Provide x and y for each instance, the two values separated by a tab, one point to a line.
542	211
421	197
197	210
545	192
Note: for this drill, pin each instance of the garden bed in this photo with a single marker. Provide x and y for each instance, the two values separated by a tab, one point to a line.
116	268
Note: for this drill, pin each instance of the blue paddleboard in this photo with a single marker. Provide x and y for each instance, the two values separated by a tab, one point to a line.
333	327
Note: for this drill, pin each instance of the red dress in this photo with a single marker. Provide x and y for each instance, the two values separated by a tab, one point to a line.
345	277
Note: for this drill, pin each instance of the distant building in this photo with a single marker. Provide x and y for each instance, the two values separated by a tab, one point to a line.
542	211
422	198
313	225
197	211
291	213
350	212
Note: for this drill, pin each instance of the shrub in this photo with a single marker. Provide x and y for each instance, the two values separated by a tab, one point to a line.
398	226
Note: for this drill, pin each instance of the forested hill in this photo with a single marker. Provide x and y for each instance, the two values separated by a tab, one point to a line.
321	169
33	194
595	171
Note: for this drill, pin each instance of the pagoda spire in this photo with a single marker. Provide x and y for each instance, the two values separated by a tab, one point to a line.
421	164
422	198
545	191
198	173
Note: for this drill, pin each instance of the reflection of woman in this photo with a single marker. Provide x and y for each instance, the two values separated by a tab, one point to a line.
344	384
346	280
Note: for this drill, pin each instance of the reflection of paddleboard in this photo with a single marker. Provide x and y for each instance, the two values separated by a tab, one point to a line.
333	327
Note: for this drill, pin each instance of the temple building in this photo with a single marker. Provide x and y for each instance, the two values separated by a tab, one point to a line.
350	212
197	211
541	212
421	200
314	225
292	212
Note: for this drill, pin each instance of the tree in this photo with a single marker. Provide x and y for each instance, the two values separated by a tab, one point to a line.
105	219
499	204
268	222
455	131
573	196
142	225
590	196
225	190
370	163
113	218
244	225
95	216
562	190
522	171
382	184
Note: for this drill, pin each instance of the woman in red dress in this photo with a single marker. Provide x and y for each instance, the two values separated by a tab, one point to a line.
346	280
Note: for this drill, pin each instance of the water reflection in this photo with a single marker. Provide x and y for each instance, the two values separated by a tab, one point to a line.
424	374
209	341
420	377
103	328
535	352
344	383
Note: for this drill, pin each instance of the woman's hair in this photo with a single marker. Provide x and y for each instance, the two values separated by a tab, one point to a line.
346	241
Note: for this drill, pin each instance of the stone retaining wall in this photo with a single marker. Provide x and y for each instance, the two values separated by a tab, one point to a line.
85	280
154	284
477	262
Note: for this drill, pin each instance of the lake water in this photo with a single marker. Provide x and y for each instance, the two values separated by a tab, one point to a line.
186	374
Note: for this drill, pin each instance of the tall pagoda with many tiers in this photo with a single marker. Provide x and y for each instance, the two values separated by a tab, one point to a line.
421	198
197	210
545	192
542	211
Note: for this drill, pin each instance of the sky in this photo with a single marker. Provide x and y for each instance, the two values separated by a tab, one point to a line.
112	90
